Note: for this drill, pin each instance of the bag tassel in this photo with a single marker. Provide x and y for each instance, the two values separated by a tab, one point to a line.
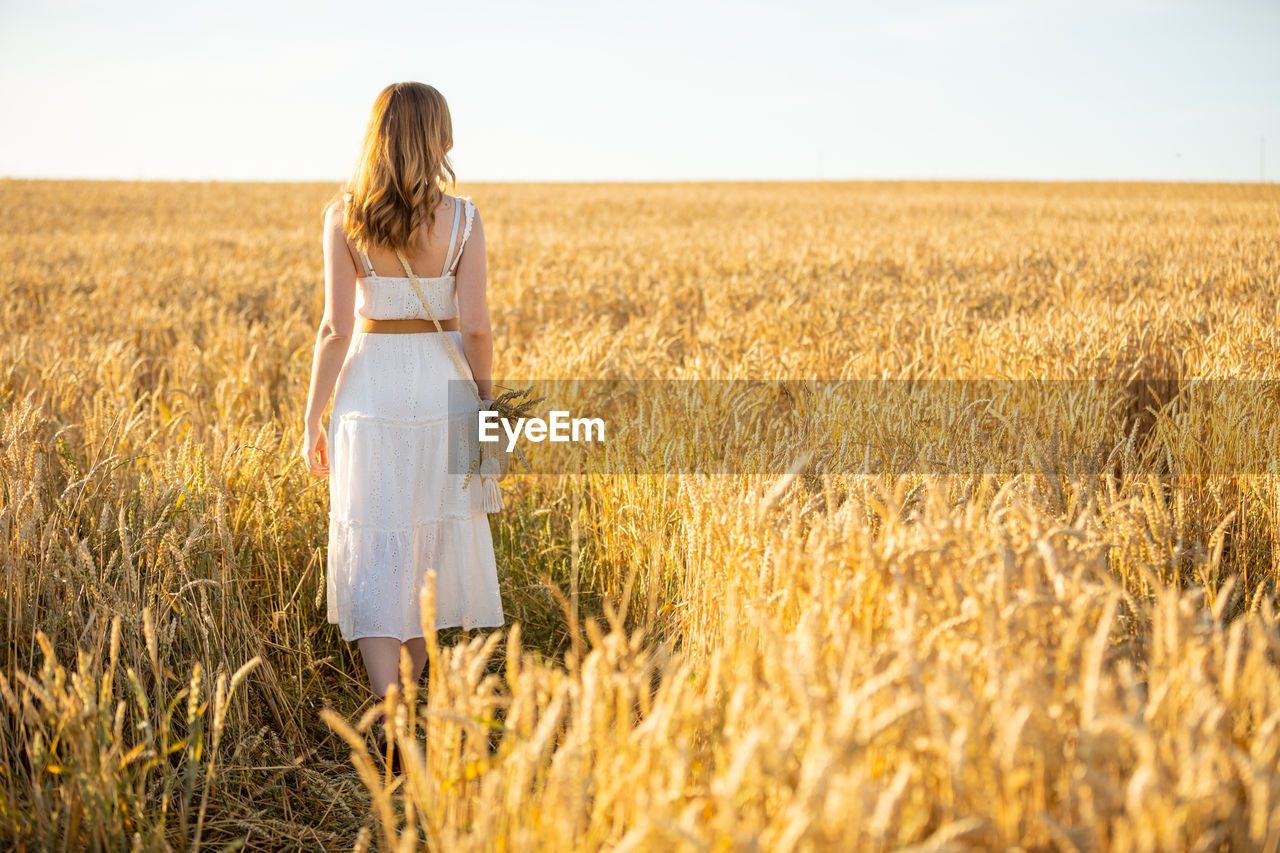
492	493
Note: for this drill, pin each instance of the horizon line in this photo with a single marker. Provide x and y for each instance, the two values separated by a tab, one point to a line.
842	180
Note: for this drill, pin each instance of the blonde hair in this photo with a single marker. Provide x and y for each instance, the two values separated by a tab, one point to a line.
400	177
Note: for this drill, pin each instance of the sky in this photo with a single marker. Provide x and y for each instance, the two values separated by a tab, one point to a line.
655	91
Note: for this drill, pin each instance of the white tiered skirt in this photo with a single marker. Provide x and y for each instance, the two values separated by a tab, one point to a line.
395	508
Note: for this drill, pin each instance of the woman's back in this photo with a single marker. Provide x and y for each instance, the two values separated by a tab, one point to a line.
384	291
434	248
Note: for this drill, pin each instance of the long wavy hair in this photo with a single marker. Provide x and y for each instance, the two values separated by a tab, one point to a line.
400	177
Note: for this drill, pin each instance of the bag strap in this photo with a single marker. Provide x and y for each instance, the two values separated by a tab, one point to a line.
471	382
457	215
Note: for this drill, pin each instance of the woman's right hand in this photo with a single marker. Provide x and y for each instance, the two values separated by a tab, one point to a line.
315	450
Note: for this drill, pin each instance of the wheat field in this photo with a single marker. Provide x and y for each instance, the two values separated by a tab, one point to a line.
1077	652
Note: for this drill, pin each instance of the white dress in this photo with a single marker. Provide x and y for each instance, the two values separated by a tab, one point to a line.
395	510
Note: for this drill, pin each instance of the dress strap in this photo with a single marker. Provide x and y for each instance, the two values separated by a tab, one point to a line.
457	211
362	257
466	231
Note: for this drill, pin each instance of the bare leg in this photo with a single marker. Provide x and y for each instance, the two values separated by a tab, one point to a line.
382	661
417	648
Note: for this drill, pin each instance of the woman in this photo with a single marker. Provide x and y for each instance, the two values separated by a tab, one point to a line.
395	510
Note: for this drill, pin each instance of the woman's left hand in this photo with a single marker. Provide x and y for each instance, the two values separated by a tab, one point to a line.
315	450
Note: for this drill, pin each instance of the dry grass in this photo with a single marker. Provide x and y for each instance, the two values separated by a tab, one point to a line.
1076	655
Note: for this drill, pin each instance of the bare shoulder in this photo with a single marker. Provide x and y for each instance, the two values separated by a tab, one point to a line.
470	218
464	200
334	215
449	201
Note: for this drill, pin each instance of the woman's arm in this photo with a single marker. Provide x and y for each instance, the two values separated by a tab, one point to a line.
332	338
473	322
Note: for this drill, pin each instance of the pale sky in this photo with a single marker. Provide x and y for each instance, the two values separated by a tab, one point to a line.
743	90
